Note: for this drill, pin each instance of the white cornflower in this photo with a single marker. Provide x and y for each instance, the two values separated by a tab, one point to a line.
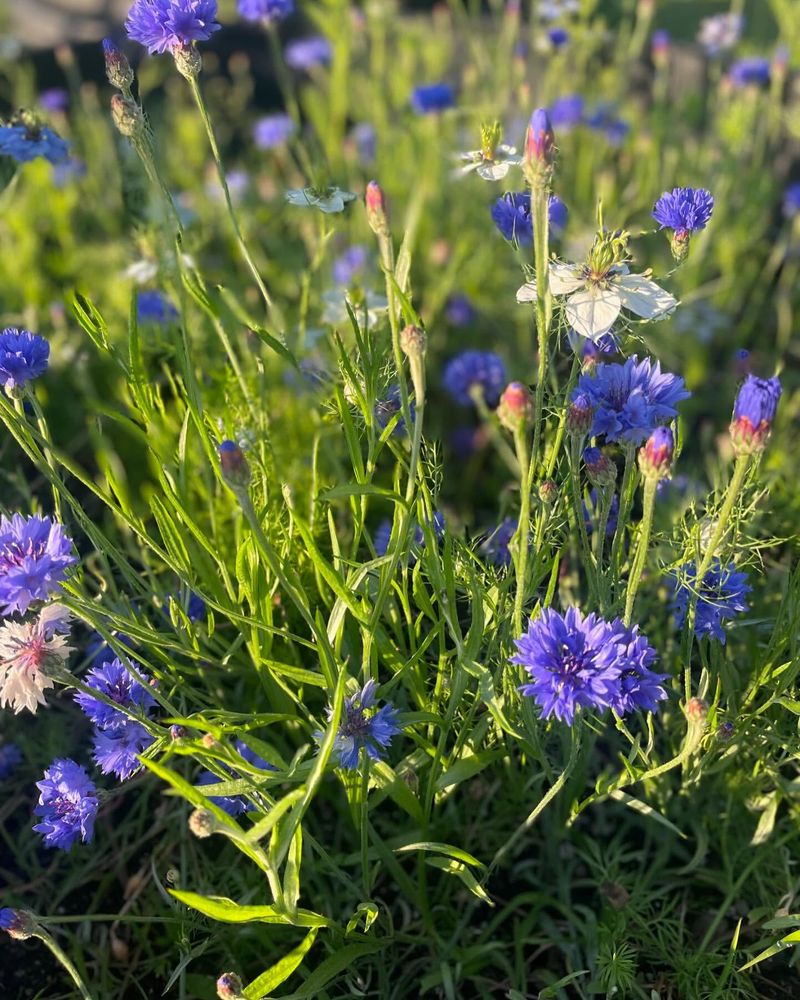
26	650
493	160
328	200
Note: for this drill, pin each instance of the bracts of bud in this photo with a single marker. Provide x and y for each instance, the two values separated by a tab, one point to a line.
128	117
579	416
18	924
233	466
414	343
188	61
655	458
377	216
515	409
548	491
230	987
118	69
600	469
540	151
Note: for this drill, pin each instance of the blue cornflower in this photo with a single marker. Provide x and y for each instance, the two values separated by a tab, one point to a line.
512	216
459	311
273	130
26	142
23	357
114	679
591	350
753	71
386	408
154	307
432	97
54	99
567	112
168	25
267	11
472	371
116	749
591	513
604	119
362	728
495	547
196	608
685	210
574	662
754	413
630	400
35	554
721	596
558	37
791	201
67	805
638	688
306	53
349	265
10	759
660	44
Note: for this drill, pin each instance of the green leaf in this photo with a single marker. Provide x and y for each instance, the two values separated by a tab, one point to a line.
226	911
438	848
369	911
268	981
462	872
642	807
467	768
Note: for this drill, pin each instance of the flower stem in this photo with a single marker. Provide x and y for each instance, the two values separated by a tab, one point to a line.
577	507
650	484
61	956
521	542
540	204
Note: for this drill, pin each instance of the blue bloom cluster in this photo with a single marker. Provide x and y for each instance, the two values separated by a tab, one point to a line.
630	400
35	554
23	357
721	596
266	11
684	210
475	370
753	71
168	25
24	142
362	727
432	97
512	216
349	265
576	662
67	805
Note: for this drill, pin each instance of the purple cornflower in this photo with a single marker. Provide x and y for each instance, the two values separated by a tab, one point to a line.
512	216
54	99
567	112
306	53
116	749
35	554
233	805
459	311
751	72
630	400
431	98
349	265
18	924
154	307
386	408
168	25
472	371
23	357
272	131
684	210
366	141
362	728
721	596
791	201
114	680
67	805
10	759
591	513
266	11
495	546
754	413
196	609
26	142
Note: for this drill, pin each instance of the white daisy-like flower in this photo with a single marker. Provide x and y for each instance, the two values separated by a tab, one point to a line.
27	649
600	289
328	200
491	168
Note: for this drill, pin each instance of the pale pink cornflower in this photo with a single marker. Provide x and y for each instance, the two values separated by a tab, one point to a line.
28	651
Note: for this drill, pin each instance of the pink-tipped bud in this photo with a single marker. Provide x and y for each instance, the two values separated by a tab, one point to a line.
413	341
659	48
540	149
515	409
696	710
599	468
655	459
548	491
579	415
118	69
377	216
230	987
233	464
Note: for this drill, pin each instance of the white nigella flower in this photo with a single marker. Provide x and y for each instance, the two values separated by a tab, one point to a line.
493	160
600	289
144	271
26	650
328	199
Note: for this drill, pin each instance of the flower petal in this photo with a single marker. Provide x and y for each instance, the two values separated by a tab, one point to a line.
564	278
493	171
592	311
644	297
527	292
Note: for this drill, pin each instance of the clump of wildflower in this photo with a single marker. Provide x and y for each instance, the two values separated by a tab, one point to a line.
511	214
576	662
684	211
67	805
751	72
431	98
171	25
26	140
10	759
655	459
363	727
474	371
35	554
29	651
721	596
630	400
306	53
266	11
23	357
754	413
720	32
272	131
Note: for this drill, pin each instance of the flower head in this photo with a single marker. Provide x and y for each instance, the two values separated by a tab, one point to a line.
328	200
655	459
18	924
23	357
306	53
362	727
684	210
114	680
472	371
540	141
153	306
116	750
35	554
431	98
27	651
630	400
26	141
512	216
720	32
567	112
67	805
459	310
754	413
54	99
660	44
10	759
751	72
720	596
266	11
639	687
170	25
791	201
272	131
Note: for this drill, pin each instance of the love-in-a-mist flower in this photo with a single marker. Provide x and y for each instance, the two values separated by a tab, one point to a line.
753	71
655	458
67	805
35	554
754	413
494	159
327	199
474	371
598	290
26	140
512	216
431	98
265	11
630	400
29	651
684	211
720	32
363	726
23	357
720	597
171	25
272	131
307	53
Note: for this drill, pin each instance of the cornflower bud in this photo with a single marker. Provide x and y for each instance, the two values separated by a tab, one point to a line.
655	458
203	823
599	467
19	924
540	149
177	732
188	61
233	465
413	341
229	987
515	409
754	413
376	209
118	69
127	115
579	415
548	491
209	741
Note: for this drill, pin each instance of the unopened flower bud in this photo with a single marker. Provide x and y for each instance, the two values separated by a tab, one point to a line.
599	467
659	48
548	491
655	458
413	341
118	69
376	209
754	414
696	709
679	244
579	415
725	731
188	61
177	732
233	465
128	117
229	987
209	741
203	823
515	409
19	924
540	149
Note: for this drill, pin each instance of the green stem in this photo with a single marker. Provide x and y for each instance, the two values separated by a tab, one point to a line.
60	955
521	540
625	502
577	507
650	484
540	203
